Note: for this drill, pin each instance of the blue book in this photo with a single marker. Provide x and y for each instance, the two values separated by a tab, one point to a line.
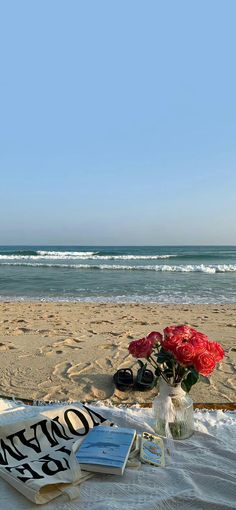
106	449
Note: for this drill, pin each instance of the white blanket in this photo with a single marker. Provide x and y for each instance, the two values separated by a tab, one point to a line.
200	474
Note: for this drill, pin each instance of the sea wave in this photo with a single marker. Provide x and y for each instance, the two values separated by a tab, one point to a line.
21	253
50	255
209	269
182	255
65	254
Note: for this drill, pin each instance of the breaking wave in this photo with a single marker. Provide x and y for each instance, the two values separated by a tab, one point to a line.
194	268
70	255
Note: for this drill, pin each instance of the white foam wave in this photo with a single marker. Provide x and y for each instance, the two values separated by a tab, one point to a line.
132	257
66	254
95	255
168	298
69	255
163	268
210	269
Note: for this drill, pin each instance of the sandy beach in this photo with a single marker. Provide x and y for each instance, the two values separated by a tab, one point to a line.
71	350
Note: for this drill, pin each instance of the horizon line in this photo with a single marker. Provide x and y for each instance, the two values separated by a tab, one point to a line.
118	245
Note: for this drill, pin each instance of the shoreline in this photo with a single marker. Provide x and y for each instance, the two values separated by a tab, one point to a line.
70	350
112	301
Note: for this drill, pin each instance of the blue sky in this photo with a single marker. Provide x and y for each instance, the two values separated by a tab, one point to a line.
118	122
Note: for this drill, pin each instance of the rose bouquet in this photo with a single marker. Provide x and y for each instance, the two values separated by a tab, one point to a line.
181	355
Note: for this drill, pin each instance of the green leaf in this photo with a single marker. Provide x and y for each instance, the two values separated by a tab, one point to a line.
185	386
191	379
169	364
204	379
141	364
163	357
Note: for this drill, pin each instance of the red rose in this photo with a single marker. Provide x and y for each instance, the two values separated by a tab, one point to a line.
169	331
185	354
141	348
155	336
186	332
199	343
204	363
215	350
171	344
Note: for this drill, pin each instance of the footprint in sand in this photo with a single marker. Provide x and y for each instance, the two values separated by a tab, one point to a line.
6	346
67	370
19	331
102	322
61	346
226	368
90	382
104	363
54	393
114	348
61	369
71	343
75	372
231	383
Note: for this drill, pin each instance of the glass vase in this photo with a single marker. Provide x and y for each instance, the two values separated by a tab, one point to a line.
173	411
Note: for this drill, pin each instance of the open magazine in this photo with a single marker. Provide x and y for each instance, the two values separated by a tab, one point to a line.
37	454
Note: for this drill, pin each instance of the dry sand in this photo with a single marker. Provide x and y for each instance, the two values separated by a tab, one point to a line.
71	350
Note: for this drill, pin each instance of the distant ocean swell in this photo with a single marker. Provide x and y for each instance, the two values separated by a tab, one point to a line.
211	269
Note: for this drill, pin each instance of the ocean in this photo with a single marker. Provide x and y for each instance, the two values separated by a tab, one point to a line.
120	274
